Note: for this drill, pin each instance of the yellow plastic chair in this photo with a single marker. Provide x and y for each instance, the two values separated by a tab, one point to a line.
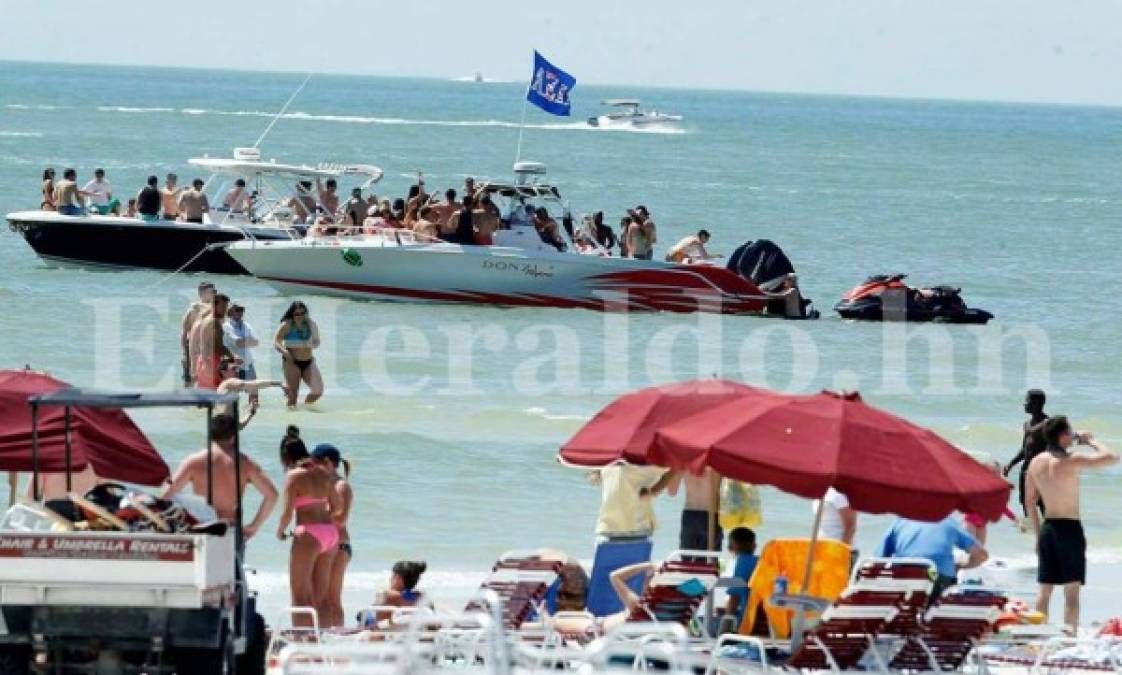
828	578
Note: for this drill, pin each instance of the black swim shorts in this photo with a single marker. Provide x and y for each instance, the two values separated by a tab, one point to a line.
1061	552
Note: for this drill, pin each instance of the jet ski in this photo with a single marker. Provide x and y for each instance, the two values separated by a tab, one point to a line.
885	297
765	264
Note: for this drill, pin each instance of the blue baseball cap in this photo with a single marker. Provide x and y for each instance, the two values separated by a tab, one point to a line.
326	451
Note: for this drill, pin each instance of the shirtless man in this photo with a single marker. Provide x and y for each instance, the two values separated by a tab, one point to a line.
236	198
328	197
1032	443
207	346
302	203
635	236
225	492
67	198
169	197
441	214
486	221
702	501
1061	548
193	203
195	311
425	226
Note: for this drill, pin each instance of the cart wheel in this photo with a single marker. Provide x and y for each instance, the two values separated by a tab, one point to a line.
218	661
15	659
252	662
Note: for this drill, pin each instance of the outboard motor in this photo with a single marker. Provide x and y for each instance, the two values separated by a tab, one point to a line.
761	261
765	264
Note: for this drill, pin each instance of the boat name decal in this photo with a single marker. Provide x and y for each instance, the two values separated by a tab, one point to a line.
95	548
529	269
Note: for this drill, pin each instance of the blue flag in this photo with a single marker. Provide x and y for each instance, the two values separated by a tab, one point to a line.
550	87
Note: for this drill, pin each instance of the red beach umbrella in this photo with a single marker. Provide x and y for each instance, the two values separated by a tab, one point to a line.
807	444
104	438
624	431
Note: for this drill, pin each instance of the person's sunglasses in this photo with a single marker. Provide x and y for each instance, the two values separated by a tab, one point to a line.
299	314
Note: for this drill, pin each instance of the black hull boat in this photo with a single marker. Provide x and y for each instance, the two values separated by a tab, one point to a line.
117	242
261	201
885	297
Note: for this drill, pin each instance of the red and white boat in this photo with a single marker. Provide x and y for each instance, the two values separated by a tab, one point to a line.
519	269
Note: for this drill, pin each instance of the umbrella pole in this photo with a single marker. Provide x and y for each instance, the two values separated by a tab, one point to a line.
813	545
35	492
799	623
66	436
714	507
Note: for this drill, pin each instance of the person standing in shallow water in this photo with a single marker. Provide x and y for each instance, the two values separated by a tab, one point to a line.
1061	546
295	339
1032	443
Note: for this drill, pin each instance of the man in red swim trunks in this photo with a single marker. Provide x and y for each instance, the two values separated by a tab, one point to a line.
208	347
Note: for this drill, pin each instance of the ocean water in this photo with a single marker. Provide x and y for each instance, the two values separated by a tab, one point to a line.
453	415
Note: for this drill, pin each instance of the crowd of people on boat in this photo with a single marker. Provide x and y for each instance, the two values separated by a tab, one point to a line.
469	217
151	203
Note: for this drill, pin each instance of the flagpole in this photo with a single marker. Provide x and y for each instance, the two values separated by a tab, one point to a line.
522	122
521	125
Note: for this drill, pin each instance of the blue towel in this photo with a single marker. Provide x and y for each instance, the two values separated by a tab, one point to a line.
610	556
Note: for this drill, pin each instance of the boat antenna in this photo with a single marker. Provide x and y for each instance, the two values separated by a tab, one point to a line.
283	109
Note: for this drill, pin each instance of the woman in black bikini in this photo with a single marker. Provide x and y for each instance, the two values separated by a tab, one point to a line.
295	339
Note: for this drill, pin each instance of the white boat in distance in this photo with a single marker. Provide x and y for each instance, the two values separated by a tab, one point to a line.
519	269
629	114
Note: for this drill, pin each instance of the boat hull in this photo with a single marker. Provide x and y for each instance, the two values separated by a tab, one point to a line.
116	242
495	275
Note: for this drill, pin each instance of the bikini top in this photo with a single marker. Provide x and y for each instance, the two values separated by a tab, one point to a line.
297	333
303	502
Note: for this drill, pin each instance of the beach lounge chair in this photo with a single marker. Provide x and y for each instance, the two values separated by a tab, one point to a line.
903	583
951	629
842	637
610	556
678	588
787	557
521	580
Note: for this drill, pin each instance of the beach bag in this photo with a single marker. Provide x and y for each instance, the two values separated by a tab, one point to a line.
740	505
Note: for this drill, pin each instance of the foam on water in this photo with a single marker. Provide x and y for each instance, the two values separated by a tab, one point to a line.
392	121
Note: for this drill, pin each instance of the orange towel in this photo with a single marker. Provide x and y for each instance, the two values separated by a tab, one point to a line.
828	578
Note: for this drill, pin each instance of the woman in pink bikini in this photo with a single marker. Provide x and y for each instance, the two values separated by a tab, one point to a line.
310	495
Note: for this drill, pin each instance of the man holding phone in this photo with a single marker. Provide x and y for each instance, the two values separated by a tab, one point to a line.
1061	547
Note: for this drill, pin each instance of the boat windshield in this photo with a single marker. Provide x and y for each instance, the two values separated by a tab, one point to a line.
244	191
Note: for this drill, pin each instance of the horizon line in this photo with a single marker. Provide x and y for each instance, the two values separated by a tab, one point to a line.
439	78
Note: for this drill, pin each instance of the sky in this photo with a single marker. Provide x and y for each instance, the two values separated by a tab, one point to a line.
1057	51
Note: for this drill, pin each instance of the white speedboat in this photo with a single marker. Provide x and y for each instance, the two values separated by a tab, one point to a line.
519	269
118	241
628	114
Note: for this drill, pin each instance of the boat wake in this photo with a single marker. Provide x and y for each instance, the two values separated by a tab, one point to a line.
389	121
20	134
